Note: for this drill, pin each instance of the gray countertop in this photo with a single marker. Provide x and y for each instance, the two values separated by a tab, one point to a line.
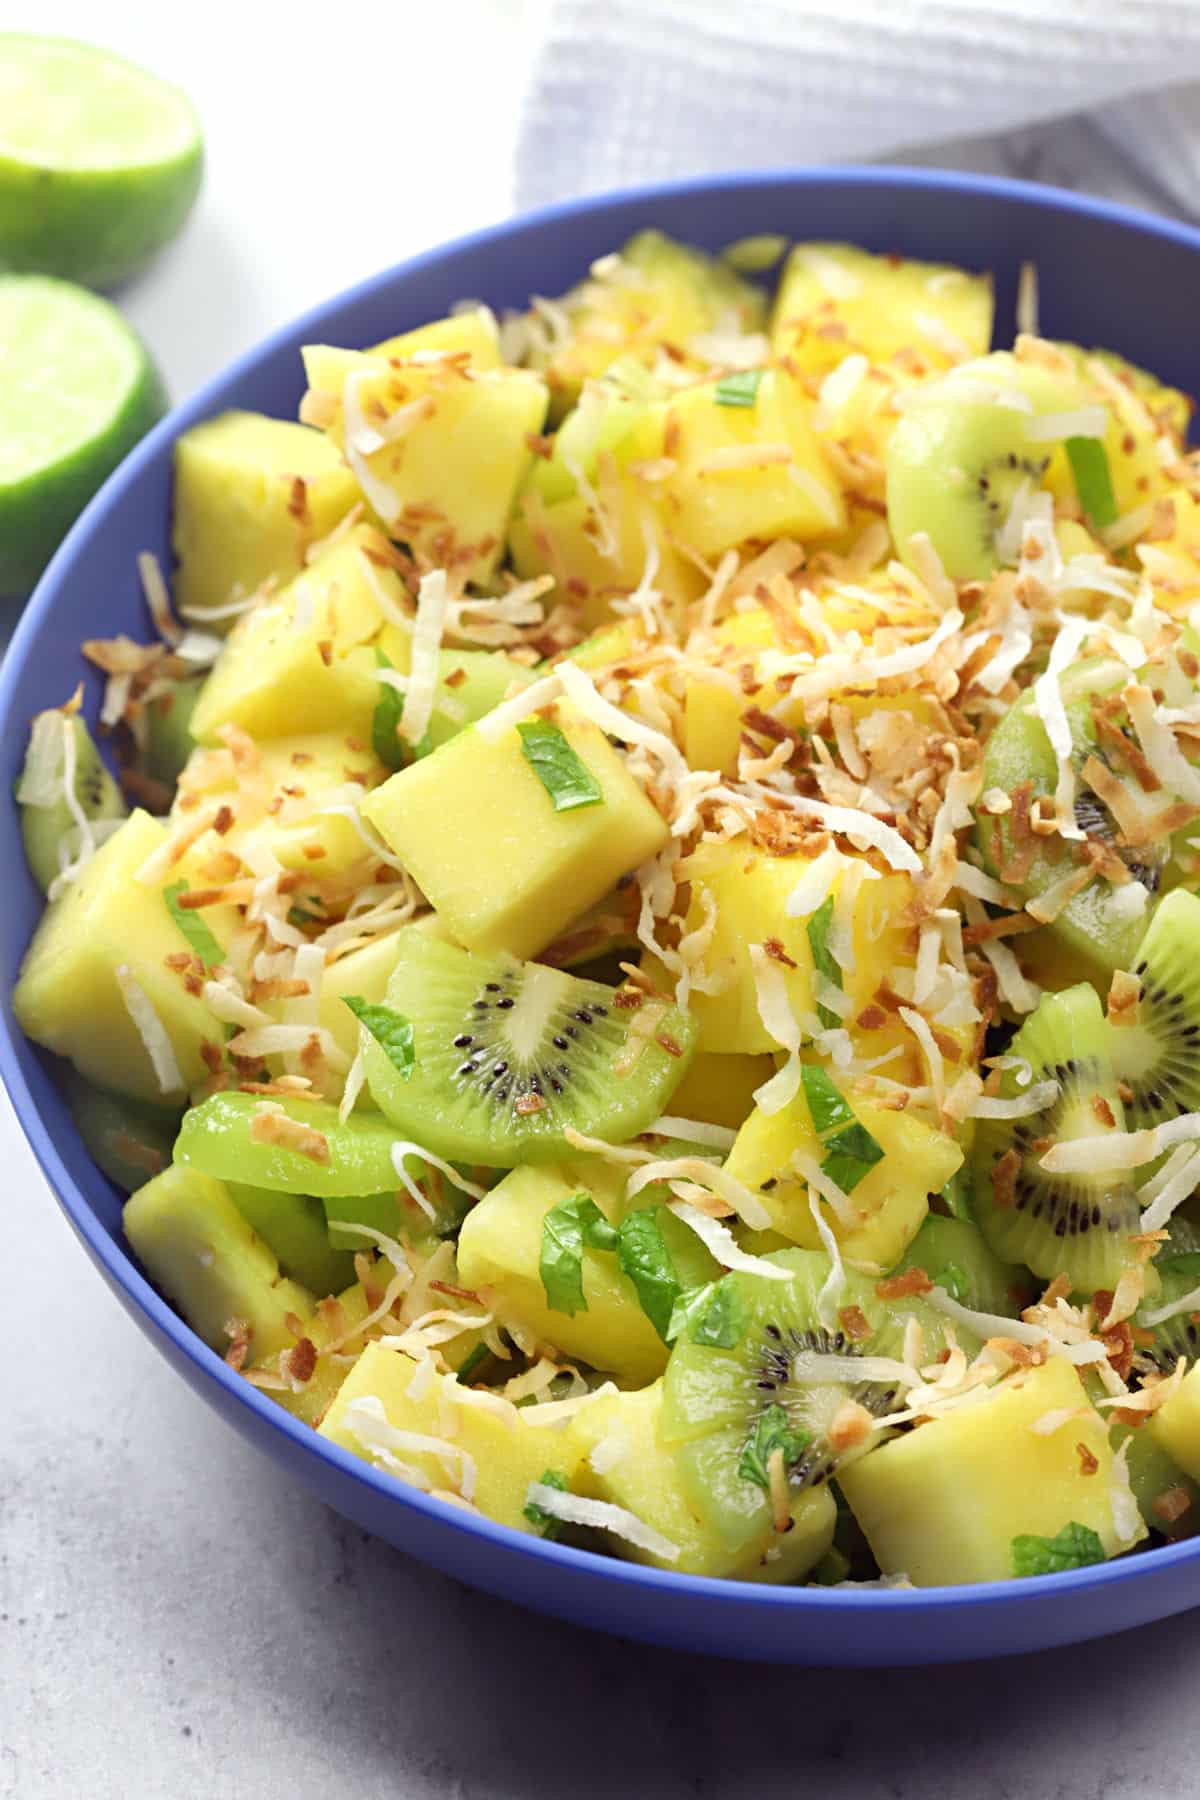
178	1622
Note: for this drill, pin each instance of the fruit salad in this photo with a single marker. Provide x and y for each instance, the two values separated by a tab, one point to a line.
634	945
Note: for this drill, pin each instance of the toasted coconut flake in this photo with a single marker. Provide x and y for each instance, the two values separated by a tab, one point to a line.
272	1126
417	710
720	1241
367	1421
151	1030
1035	1099
709	1176
602	1515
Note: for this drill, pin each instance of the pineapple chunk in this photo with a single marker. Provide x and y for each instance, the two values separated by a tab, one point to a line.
471	334
745	472
439	447
835	300
485	1458
330	1323
891	1201
719	1090
499	1250
297	663
639	1472
1176	1425
1142	414
196	1246
69	996
942	1504
251	495
479	834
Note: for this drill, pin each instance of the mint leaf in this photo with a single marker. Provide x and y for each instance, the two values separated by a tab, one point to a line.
956	1195
955	1282
537	1515
391	1031
193	927
826	1104
772	1431
850	1155
740	389
1186	1263
1074	1548
568	781
823	963
299	916
385	721
644	1257
711	1315
469	1364
569	1227
1093	479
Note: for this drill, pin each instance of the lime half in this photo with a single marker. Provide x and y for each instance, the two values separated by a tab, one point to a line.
77	391
99	161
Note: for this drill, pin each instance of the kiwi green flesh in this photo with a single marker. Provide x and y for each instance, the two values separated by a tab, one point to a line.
956	1256
169	740
127	1139
1179	1335
1152	1474
1079	1225
510	1055
43	828
1092	924
293	1227
1157	1054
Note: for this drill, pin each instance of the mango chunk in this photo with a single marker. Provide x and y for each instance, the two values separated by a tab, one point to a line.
251	495
639	1472
438	446
942	1504
479	834
480	1457
1176	1425
197	1247
107	928
297	662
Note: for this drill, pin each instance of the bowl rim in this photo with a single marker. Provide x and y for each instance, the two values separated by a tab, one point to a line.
114	1258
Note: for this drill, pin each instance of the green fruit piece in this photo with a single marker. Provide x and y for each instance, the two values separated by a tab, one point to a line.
1168	1499
1099	927
48	824
100	161
956	1256
962	450
1178	1335
1155	1045
1077	1224
129	1140
508	1055
196	1246
396	1212
169	740
226	1136
293	1227
77	391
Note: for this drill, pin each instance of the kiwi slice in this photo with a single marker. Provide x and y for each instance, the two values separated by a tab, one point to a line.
1097	927
960	453
727	1402
48	825
169	740
1156	1046
508	1055
1077	1224
1180	1334
956	1256
129	1140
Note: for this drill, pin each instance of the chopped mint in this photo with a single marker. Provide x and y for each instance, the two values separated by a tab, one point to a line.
828	1107
740	389
772	1431
955	1282
299	916
956	1195
823	963
850	1155
193	927
537	1515
711	1315
470	1363
1093	479
391	1031
644	1257
1074	1548
567	1228
393	751
568	781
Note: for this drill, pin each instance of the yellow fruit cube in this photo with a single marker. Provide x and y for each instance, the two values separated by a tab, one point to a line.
105	938
1176	1425
438	446
636	1470
251	495
483	1458
835	300
596	562
888	1204
298	662
480	835
942	1504
719	1090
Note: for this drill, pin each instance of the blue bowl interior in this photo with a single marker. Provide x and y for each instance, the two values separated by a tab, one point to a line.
1106	277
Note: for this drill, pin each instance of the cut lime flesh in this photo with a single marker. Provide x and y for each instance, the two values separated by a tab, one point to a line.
100	161
77	391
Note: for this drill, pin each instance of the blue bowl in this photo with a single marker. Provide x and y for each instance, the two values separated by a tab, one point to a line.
1107	276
